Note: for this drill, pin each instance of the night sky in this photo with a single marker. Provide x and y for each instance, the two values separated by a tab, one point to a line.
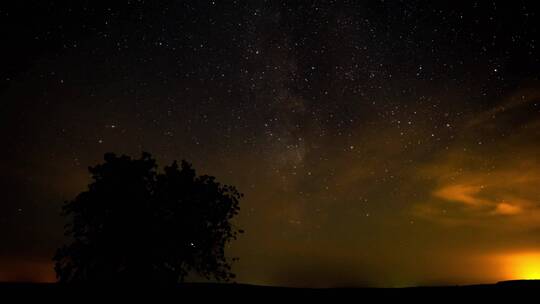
380	143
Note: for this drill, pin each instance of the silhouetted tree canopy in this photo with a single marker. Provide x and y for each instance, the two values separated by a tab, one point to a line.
137	225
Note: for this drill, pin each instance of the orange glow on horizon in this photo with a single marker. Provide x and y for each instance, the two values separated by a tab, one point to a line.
522	266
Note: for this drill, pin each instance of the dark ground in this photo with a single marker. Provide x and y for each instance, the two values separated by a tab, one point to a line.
511	291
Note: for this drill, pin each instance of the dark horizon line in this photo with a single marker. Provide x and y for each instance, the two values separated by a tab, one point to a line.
505	283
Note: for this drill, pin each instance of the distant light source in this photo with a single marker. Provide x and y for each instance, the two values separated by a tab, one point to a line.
524	266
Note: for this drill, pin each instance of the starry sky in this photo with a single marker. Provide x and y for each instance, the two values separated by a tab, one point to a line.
378	143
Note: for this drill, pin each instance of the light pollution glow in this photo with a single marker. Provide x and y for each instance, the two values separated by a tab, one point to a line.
524	265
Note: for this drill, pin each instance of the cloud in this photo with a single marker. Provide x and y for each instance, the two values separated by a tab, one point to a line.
508	209
488	175
466	194
473	197
511	106
482	197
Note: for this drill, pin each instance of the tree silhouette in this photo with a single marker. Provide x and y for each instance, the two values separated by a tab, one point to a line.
137	225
